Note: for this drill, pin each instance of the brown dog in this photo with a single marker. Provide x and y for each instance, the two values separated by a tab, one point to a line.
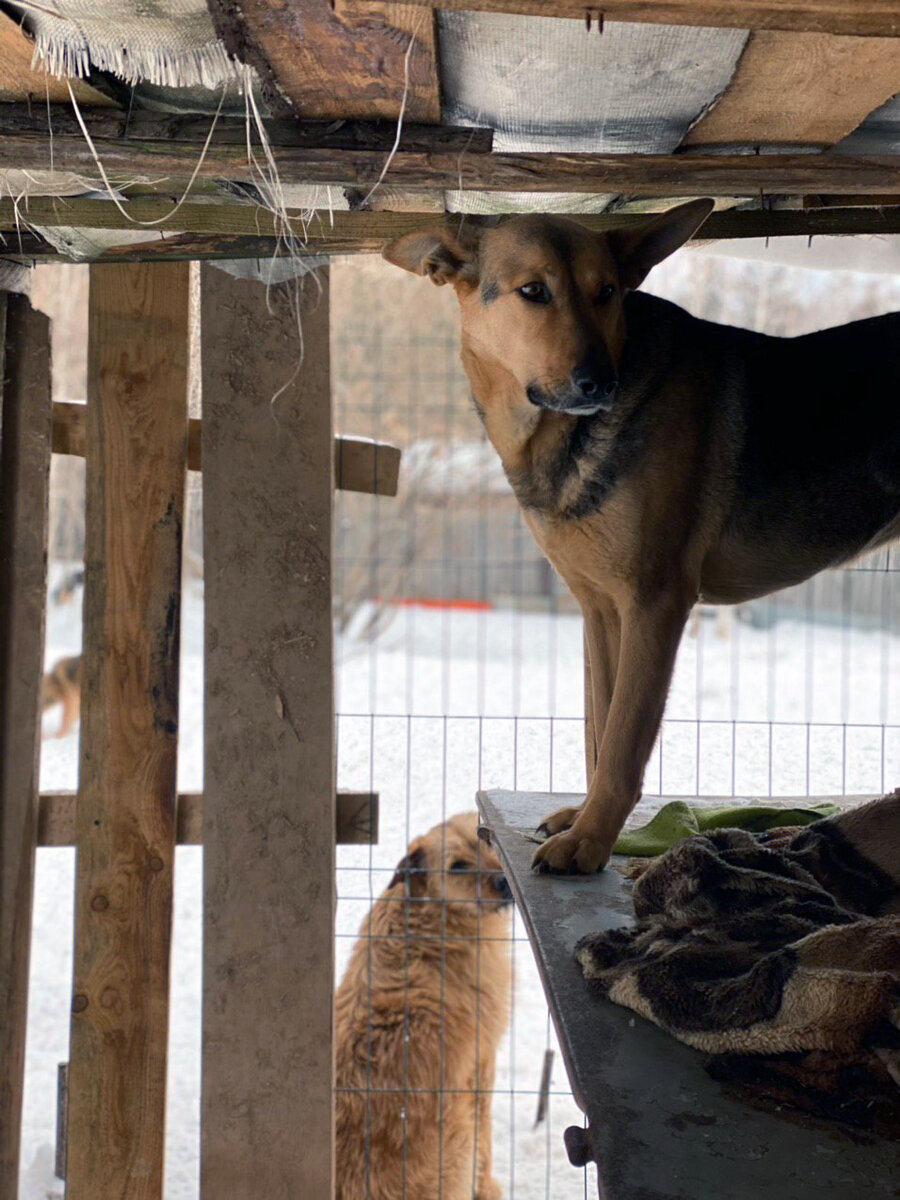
419	1014
62	685
660	459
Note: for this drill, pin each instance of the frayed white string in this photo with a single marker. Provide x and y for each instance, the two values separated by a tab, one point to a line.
112	193
390	158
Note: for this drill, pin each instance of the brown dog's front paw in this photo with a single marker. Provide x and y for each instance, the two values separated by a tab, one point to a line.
571	853
564	818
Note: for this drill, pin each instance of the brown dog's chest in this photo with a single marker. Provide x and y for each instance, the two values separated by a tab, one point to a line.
598	555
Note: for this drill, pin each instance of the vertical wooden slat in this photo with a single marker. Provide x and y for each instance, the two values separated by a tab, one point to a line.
24	484
268	821
125	830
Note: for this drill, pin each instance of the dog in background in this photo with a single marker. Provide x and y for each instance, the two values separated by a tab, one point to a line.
659	460
64	592
419	1014
62	685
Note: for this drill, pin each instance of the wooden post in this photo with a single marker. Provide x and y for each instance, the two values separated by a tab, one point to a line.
24	485
268	820
125	818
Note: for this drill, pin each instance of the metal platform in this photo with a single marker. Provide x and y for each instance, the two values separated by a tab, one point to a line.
659	1127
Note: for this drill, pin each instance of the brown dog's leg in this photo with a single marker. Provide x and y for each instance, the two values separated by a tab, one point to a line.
590	733
601	654
71	707
651	632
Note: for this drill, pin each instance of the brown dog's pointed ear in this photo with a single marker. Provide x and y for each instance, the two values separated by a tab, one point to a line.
643	245
411	870
433	252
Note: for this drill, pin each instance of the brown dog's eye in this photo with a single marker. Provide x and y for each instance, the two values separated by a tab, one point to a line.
459	864
605	294
535	293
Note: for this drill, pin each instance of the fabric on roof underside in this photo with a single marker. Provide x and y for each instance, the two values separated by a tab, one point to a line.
167	42
878	134
546	84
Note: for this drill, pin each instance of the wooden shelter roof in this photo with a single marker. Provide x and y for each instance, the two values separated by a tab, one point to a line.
785	112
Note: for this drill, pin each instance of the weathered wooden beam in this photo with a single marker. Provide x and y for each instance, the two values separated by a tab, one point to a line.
125	814
866	18
193	129
809	202
24	487
800	89
314	61
356	819
268	950
619	174
367	232
360	464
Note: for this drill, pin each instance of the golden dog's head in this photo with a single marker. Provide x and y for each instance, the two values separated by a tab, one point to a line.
541	299
450	867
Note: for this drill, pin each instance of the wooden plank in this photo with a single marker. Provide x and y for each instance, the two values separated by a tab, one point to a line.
125	818
360	464
193	129
849	201
356	819
867	18
315	62
24	488
800	89
619	174
268	967
346	232
19	82
366	233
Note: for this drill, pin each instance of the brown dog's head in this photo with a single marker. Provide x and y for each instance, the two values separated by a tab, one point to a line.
541	299
451	866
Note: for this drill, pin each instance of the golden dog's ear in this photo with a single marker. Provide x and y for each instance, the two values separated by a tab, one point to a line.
644	244
435	253
411	870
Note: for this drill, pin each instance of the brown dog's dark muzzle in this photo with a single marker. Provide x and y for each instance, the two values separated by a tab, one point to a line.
595	387
581	401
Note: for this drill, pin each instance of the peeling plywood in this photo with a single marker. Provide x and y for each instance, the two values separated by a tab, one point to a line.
794	89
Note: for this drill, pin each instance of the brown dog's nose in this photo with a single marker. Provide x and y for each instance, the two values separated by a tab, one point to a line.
591	385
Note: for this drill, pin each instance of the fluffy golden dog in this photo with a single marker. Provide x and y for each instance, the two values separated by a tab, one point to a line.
420	1012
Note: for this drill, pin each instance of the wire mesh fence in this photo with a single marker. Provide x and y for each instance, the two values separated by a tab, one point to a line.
459	663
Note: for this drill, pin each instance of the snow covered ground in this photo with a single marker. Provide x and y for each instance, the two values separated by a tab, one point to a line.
445	701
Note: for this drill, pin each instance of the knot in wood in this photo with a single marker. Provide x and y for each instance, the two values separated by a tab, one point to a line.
79	1003
99	903
109	998
156	863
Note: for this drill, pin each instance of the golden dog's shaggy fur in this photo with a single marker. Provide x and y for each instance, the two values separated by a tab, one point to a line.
420	1012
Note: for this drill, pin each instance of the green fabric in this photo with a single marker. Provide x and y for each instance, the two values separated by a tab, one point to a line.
677	820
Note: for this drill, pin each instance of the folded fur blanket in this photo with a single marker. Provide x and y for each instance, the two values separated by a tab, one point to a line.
749	948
